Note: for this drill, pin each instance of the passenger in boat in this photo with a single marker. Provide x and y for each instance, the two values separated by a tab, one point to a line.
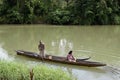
70	57
41	48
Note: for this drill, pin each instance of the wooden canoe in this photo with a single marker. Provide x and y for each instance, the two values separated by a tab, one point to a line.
79	62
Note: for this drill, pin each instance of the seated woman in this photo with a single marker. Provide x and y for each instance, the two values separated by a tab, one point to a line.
70	57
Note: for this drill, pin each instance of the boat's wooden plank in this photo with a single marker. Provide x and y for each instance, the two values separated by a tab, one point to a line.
79	62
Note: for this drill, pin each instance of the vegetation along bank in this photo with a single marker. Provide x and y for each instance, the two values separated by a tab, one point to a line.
17	71
60	12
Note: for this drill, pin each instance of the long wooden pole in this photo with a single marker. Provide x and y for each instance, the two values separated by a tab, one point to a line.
31	74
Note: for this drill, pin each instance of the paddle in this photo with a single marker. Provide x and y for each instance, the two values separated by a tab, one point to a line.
77	60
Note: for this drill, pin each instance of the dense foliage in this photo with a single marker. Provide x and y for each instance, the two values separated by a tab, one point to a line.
78	12
16	71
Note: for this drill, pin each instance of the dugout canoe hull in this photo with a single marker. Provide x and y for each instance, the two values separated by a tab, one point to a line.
58	59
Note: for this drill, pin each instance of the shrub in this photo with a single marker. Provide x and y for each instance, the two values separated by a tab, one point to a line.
58	17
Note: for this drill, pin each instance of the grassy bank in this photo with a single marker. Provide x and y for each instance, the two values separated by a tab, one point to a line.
16	71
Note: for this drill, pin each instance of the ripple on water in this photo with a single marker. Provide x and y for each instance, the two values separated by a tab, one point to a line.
4	54
113	72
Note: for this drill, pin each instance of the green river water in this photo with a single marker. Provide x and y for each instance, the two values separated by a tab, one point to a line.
101	43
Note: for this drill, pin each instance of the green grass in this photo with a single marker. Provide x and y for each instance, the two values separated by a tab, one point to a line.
13	71
45	73
16	71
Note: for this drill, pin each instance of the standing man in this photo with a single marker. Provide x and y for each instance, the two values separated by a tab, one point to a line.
41	48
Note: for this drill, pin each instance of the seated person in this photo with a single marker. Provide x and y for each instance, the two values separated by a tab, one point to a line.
70	57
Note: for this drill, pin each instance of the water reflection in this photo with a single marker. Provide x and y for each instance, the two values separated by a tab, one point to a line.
100	43
61	46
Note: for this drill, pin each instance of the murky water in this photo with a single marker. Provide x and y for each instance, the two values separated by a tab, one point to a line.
101	43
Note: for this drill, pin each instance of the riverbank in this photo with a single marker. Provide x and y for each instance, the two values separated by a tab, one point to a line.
16	71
